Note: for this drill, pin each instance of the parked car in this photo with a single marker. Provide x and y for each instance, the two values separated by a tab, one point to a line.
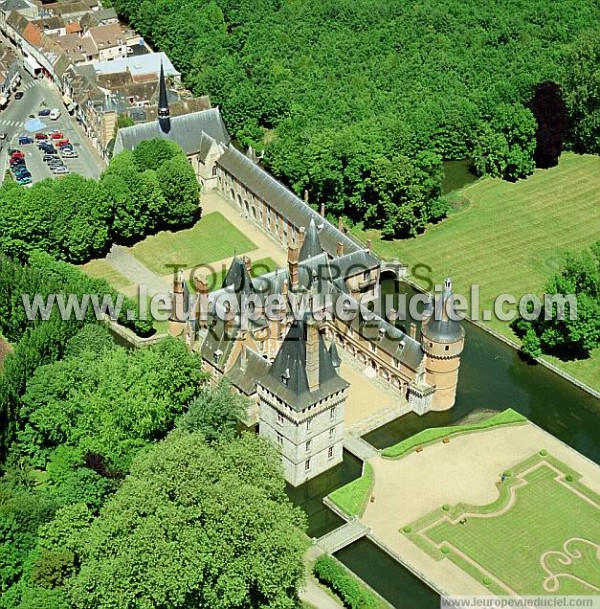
3	136
23	173
57	135
24	181
48	148
19	95
64	142
49	157
17	155
41	136
25	139
60	170
44	112
54	114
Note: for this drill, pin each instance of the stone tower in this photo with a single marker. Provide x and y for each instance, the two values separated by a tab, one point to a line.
301	403
443	340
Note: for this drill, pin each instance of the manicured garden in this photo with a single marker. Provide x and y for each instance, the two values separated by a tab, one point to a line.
510	238
352	498
434	434
541	536
211	239
101	269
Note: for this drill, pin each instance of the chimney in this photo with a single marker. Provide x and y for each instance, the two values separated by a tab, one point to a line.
413	330
312	354
284	289
340	224
340	249
177	304
369	244
322	209
301	235
306	195
248	263
243	359
293	265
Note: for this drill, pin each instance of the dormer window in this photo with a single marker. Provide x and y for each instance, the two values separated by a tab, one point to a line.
217	356
285	377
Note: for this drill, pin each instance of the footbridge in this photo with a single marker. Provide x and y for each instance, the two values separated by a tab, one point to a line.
343	536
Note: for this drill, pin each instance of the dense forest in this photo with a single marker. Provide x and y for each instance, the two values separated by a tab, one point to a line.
357	103
112	458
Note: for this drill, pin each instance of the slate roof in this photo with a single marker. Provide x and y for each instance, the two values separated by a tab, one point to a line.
245	379
311	245
440	328
290	206
15	5
291	363
185	130
238	277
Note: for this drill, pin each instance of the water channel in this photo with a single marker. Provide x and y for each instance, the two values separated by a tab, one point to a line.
492	376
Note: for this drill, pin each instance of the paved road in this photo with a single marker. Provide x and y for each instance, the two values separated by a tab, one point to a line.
17	112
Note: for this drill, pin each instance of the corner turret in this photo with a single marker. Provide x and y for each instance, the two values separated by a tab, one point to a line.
443	340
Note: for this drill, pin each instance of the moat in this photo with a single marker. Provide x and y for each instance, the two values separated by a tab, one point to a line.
492	377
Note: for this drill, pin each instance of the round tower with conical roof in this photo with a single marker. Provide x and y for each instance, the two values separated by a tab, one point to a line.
443	340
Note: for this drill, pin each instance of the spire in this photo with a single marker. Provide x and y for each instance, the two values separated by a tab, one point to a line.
335	358
164	113
311	245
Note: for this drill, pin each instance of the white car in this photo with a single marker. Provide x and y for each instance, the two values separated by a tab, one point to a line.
54	114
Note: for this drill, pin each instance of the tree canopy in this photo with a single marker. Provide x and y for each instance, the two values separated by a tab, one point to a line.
336	91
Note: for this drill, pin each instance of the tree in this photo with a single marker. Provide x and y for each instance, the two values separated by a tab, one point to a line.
152	154
550	112
112	404
215	413
559	332
582	91
180	190
191	528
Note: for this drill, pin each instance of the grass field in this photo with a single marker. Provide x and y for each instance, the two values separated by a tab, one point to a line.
434	434
542	536
213	238
103	270
511	237
352	497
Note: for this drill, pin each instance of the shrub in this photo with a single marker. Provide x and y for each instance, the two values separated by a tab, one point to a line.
543	452
330	573
446	507
445	550
407	528
570	477
487	580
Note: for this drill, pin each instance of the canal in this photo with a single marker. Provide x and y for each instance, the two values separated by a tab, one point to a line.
492	377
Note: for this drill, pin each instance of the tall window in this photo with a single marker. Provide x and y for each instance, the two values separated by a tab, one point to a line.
279	418
279	439
332	413
307	465
308	424
330	452
331	433
308	446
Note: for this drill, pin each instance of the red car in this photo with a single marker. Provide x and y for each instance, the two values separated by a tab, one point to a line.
17	155
41	136
62	143
56	135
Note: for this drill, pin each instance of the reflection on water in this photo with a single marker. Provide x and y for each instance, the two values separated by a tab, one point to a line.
493	376
395	583
309	496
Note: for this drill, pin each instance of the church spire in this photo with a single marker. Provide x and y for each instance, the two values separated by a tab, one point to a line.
164	113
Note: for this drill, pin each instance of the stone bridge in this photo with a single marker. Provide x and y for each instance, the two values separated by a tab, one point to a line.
394	267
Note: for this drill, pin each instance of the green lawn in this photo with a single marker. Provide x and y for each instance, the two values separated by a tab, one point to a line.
352	498
434	434
544	541
103	270
213	238
511	237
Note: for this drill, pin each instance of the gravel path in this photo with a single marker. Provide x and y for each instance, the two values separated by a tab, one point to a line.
129	266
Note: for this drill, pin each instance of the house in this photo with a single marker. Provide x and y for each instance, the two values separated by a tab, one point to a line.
10	76
141	68
109	40
107	16
52	26
22	7
79	49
